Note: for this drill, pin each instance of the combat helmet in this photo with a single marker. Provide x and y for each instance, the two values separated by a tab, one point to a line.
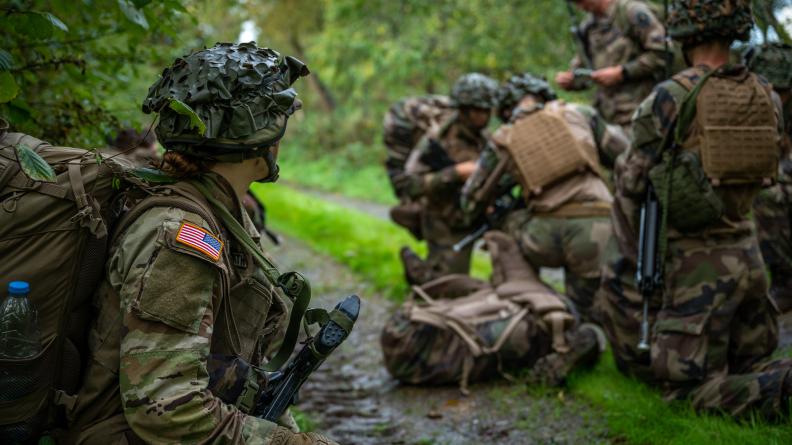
474	90
240	91
773	61
520	85
694	21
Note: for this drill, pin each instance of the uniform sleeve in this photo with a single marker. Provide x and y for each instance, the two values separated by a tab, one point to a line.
650	34
419	180
166	289
611	140
472	204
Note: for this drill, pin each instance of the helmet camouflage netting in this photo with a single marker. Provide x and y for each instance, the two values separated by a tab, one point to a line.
518	86
241	92
694	21
474	90
773	61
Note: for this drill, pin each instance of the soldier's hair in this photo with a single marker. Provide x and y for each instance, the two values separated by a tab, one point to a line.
182	165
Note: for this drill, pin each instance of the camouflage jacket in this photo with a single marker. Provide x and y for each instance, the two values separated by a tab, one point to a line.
631	36
406	122
433	178
587	187
161	316
652	120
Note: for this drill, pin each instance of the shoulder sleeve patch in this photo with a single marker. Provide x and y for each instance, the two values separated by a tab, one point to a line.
200	239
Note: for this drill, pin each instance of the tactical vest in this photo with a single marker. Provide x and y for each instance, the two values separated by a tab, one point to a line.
735	129
548	145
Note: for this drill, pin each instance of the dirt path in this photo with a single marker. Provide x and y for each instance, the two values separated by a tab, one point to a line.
354	400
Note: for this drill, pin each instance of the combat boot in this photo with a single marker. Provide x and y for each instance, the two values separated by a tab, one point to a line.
586	345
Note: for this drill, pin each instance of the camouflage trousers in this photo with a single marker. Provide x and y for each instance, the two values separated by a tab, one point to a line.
576	244
441	235
421	353
774	228
712	328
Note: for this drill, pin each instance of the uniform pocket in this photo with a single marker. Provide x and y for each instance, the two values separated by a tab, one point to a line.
251	300
679	349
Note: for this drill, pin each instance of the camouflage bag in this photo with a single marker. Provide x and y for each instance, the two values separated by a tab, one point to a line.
439	337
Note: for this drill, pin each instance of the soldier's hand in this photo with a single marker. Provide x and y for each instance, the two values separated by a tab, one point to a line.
564	79
608	77
465	169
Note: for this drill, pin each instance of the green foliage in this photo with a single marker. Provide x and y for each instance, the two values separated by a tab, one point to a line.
368	246
185	110
33	165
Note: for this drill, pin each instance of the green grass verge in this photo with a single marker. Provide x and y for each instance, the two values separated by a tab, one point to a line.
367	245
634	411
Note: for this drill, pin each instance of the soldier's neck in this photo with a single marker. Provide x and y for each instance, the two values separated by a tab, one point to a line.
240	175
711	54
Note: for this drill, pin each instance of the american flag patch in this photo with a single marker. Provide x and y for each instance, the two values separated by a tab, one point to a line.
199	239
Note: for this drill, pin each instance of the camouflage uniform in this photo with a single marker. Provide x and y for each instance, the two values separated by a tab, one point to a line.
185	306
629	35
433	181
772	206
713	324
565	224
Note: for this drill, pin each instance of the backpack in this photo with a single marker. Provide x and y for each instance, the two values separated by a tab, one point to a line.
55	236
405	124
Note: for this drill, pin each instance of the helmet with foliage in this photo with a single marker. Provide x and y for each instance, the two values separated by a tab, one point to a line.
474	90
694	21
773	61
518	86
225	103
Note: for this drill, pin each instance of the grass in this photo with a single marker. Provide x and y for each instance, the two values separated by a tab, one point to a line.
634	412
367	245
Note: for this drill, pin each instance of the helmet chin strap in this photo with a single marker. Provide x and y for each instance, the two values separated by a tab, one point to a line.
272	167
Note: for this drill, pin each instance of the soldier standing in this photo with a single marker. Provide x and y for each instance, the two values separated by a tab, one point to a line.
706	140
772	206
435	173
552	150
623	43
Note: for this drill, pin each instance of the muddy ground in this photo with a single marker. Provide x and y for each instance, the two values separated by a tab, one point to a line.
353	399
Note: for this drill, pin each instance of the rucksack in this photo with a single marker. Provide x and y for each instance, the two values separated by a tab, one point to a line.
53	235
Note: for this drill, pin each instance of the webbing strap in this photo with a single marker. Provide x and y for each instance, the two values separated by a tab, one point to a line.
679	126
293	284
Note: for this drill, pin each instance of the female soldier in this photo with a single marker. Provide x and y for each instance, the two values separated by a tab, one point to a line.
189	299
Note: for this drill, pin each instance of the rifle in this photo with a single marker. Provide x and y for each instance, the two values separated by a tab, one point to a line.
283	385
582	46
648	274
503	205
435	157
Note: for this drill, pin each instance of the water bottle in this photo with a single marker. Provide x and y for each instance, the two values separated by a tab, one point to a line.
19	331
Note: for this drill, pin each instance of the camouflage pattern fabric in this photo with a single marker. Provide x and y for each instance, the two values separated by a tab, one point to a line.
474	90
631	36
773	61
547	237
695	21
442	222
713	324
160	317
403	127
575	244
214	82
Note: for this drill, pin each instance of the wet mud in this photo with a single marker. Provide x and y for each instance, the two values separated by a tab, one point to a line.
354	400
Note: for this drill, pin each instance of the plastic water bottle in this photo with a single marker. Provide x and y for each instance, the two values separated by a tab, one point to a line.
19	331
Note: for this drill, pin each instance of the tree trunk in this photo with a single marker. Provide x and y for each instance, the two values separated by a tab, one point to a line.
329	103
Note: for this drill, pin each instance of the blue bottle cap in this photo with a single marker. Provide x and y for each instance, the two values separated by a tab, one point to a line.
18	288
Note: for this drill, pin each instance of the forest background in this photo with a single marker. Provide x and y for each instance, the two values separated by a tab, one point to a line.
75	71
72	72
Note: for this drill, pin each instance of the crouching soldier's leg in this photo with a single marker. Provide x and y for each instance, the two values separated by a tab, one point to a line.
716	330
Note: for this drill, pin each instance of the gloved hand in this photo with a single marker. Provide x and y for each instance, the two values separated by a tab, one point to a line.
283	436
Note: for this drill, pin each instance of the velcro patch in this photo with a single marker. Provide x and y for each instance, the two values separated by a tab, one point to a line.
199	239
